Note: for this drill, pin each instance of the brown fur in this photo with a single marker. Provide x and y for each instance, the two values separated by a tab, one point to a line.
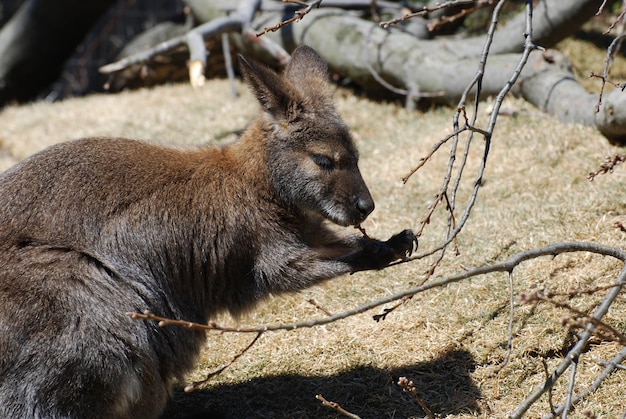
95	228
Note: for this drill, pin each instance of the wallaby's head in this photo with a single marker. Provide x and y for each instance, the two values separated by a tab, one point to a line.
312	159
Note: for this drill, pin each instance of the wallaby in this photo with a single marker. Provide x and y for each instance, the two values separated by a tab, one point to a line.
94	228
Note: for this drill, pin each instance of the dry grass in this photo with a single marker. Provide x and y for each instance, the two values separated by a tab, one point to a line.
448	341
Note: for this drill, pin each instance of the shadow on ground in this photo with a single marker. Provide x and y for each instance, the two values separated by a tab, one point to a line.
598	38
444	384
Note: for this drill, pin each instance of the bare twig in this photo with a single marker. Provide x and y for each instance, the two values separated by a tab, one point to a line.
620	226
459	15
601	8
336	407
607	165
509	343
363	232
426	158
603	330
547	374
426	9
608	59
409	388
570	387
579	291
298	15
388	310
319	307
220	370
616	21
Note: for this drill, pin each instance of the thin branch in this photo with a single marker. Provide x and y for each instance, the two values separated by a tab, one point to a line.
217	372
570	387
616	366
426	9
509	343
426	158
608	59
408	387
610	367
298	15
616	21
608	165
319	307
506	266
550	398
601	8
443	20
580	291
605	331
336	407
476	82
388	310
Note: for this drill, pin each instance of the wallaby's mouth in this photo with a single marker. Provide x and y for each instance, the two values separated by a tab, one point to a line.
331	214
346	218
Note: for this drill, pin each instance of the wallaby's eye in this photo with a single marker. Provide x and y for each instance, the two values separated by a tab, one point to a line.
323	161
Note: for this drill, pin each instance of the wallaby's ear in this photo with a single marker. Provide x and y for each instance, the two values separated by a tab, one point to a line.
306	62
277	96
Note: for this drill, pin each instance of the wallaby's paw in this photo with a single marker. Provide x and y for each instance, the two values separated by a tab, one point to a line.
377	255
403	244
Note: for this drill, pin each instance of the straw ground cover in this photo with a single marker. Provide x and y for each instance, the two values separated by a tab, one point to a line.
449	341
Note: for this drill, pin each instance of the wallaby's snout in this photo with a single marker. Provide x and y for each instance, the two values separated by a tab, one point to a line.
365	205
361	205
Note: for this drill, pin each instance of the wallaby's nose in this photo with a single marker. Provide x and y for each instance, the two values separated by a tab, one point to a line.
365	205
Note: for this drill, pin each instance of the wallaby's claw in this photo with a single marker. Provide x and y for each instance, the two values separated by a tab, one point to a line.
403	243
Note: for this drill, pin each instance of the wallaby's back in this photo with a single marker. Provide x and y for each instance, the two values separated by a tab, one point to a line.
92	229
